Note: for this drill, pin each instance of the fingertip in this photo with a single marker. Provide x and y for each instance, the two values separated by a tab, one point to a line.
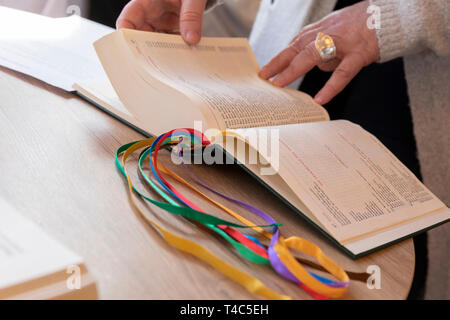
125	24
321	99
277	82
263	74
192	37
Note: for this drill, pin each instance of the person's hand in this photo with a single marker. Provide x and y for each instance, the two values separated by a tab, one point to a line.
356	47
184	16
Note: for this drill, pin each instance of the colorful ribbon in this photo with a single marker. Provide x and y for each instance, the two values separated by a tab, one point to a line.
322	285
277	254
249	282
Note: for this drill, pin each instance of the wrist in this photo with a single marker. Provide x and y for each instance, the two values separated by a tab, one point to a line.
399	31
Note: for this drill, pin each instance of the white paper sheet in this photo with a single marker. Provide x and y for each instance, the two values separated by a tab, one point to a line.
26	252
57	51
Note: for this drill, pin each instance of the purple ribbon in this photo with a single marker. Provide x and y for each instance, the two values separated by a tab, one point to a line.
275	261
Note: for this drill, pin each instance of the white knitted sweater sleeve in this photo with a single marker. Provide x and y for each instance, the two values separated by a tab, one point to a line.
412	26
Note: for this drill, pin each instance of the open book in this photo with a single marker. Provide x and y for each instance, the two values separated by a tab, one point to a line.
34	266
335	174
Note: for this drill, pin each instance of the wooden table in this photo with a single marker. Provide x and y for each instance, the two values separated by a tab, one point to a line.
57	168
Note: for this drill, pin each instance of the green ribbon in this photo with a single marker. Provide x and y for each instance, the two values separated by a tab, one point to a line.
173	207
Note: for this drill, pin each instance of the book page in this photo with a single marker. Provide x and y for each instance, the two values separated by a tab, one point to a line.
220	76
352	184
157	107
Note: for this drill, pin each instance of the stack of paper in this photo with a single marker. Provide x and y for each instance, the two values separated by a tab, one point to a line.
35	266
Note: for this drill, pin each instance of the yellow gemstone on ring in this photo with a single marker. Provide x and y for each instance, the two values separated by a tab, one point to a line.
323	42
325	46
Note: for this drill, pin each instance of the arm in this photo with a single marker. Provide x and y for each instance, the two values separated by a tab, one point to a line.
411	26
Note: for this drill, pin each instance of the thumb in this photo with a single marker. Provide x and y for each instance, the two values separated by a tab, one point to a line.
191	14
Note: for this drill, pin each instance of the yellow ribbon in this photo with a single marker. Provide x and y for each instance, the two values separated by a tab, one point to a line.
282	246
252	284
